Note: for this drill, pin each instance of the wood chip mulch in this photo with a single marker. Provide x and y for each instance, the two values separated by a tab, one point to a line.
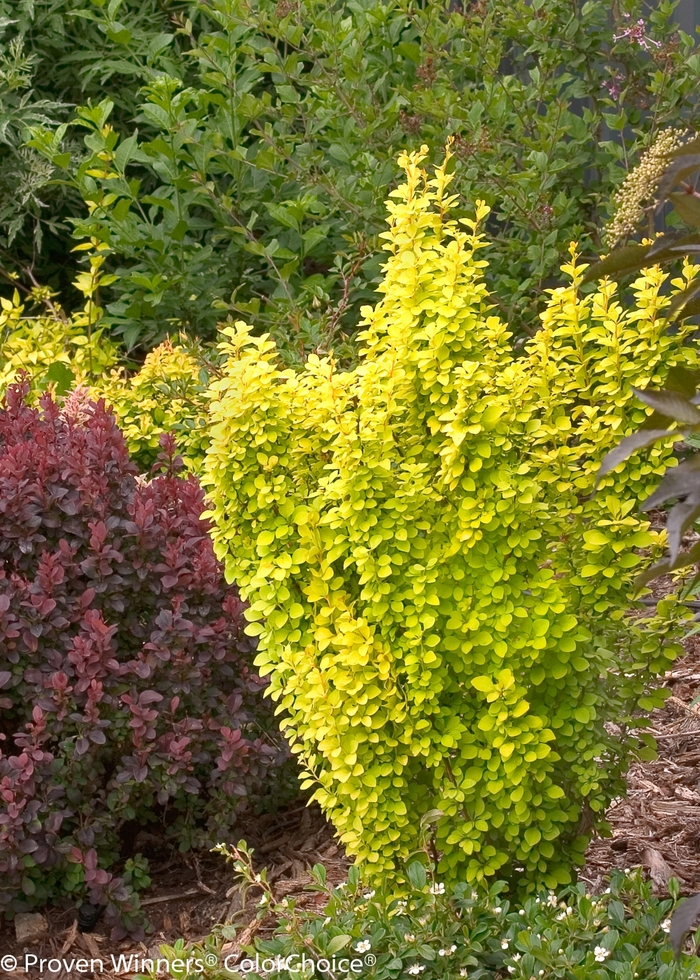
192	893
658	824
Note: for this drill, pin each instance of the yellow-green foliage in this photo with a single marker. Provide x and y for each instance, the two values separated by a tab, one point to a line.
166	395
49	348
441	607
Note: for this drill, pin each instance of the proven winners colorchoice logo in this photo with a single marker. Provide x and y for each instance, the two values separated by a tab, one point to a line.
306	966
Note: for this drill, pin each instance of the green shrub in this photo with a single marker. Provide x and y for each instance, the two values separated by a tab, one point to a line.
167	394
439	932
50	347
253	182
24	174
440	604
54	55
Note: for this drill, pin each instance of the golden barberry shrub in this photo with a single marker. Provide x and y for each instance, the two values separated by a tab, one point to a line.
441	605
50	347
167	394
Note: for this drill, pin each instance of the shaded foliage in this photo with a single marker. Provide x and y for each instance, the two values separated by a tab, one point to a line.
675	414
249	177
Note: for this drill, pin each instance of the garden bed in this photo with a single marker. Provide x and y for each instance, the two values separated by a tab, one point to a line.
191	893
656	826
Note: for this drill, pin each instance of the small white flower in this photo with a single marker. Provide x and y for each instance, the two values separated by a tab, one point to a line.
415	969
453	948
363	946
607	891
438	888
442	952
511	969
504	944
327	920
264	899
666	925
401	905
368	894
601	954
521	911
409	937
552	900
463	972
498	910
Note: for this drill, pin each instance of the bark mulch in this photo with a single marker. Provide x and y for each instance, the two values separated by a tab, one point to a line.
658	824
192	893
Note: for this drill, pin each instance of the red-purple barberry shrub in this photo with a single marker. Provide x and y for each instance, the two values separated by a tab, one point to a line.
126	691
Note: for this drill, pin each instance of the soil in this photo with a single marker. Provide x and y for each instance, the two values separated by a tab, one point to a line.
656	826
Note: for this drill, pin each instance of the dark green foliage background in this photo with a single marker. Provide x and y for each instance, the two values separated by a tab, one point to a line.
253	144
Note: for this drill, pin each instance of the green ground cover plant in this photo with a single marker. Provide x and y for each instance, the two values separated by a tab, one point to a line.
438	932
246	175
440	603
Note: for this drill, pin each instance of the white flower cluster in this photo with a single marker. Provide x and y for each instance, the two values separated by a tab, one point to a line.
516	959
447	952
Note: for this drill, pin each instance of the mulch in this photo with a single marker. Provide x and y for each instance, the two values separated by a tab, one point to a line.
657	826
191	893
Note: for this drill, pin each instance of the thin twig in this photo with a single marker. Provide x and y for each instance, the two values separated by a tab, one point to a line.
690	603
170	897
